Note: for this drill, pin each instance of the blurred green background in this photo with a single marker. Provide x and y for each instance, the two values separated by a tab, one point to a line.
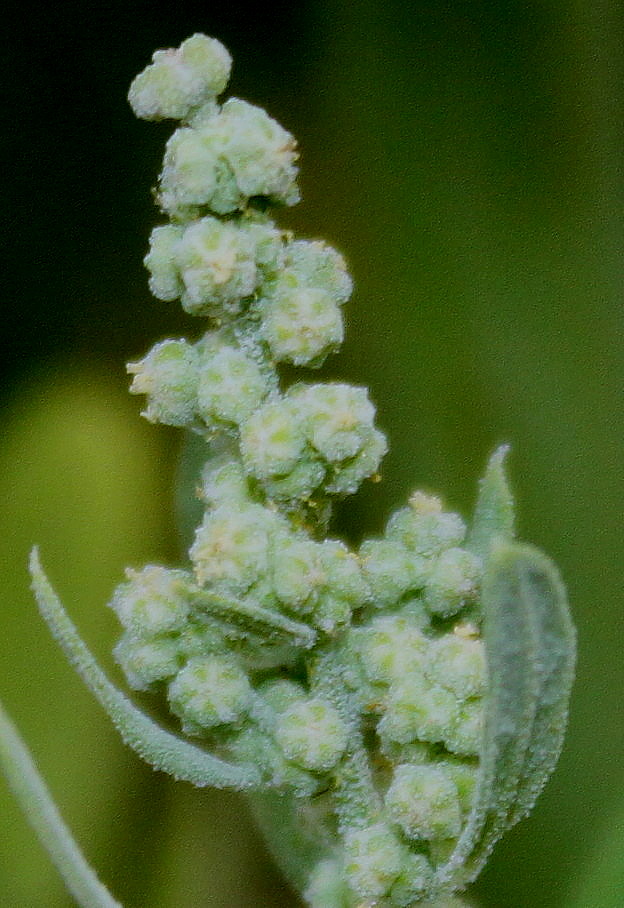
467	159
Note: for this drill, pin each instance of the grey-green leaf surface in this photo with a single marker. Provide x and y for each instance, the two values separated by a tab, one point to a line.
530	653
494	511
156	746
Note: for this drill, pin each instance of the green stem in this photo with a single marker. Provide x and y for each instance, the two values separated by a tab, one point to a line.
40	809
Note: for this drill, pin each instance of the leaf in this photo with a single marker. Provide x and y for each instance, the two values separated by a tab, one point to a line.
153	744
529	644
494	511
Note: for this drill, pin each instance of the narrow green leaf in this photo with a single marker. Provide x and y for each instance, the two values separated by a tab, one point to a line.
261	622
494	511
38	805
156	746
510	637
555	662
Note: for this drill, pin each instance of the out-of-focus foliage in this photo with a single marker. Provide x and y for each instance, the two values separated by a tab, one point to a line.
468	162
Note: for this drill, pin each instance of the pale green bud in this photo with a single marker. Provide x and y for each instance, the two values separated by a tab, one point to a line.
457	663
181	79
413	883
281	693
209	691
254	746
154	601
311	734
315	264
272	441
335	416
424	528
223	481
302	325
298	573
231	386
390	647
453	582
161	262
424	802
231	547
168	375
416	710
146	661
373	860
190	174
344	573
391	570
466	732
268	243
260	152
347	477
326	886
300	484
465	776
217	267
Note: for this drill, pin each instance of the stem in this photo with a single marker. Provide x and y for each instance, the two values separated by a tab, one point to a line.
37	804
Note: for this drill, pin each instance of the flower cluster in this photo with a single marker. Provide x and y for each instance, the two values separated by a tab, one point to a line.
368	685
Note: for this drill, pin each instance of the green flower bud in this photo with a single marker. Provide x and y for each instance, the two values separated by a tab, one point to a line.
465	733
180	80
348	476
424	528
391	647
336	417
191	172
231	386
161	262
144	662
217	267
416	710
373	860
300	484
453	582
464	776
423	801
231	547
209	691
168	375
281	693
154	601
413	882
298	573
315	264
344	573
223	481
302	325
251	745
457	663
311	734
391	570
272	441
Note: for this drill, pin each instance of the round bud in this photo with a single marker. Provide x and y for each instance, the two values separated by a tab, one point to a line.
168	375
302	325
416	710
217	267
424	528
161	262
209	691
298	573
373	860
311	734
313	263
390	570
391	647
413	882
453	582
154	601
181	79
231	547
336	417
144	662
231	386
458	664
223	481
347	477
189	178
465	735
272	442
423	801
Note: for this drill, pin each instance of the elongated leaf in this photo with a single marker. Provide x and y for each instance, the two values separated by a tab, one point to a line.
494	511
510	636
156	746
264	623
42	813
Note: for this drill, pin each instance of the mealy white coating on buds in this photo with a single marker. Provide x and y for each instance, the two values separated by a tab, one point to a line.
210	690
373	859
231	386
181	80
153	601
424	802
168	375
312	734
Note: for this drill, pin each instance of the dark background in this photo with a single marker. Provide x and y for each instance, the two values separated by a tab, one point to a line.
467	159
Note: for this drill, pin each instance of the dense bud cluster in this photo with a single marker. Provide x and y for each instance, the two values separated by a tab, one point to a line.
354	688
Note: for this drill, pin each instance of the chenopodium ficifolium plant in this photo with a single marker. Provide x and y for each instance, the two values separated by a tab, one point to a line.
391	711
